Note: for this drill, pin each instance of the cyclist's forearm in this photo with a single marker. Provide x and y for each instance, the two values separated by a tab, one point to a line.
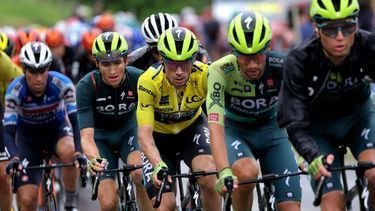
76	132
88	143
148	146
218	146
9	139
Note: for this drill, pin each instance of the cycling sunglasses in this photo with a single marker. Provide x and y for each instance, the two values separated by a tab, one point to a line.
246	58
109	57
331	29
173	65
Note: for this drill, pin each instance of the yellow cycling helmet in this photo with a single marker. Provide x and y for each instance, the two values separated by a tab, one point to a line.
6	44
321	10
109	46
249	33
178	44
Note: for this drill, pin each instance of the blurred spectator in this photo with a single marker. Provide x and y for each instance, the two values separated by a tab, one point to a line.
84	61
212	35
62	53
105	22
366	15
24	36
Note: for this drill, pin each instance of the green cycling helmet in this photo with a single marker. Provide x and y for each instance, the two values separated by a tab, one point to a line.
249	33
321	10
178	44
109	46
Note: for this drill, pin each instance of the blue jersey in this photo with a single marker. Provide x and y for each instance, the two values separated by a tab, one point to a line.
25	110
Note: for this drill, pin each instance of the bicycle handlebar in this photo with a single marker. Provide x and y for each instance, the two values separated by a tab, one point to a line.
49	166
126	169
360	166
228	182
161	190
271	177
194	175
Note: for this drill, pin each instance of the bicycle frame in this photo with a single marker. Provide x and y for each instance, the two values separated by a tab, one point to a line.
125	186
49	200
193	194
267	200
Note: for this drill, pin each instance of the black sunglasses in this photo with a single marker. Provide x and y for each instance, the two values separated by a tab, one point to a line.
331	29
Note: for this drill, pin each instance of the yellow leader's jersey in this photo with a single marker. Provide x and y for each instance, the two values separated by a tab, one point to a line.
8	72
167	109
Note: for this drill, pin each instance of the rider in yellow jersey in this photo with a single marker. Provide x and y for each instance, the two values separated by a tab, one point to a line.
8	71
170	117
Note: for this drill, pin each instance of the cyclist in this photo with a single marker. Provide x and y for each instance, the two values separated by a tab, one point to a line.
170	117
245	85
325	95
84	61
62	54
8	71
106	100
24	36
36	106
152	27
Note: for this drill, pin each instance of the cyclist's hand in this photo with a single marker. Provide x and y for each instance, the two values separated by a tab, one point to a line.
13	165
317	167
157	174
301	164
79	160
96	165
220	185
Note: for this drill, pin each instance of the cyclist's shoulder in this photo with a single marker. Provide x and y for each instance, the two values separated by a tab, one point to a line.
199	67
58	79
17	86
88	79
309	48
275	60
225	64
8	70
364	40
153	73
134	71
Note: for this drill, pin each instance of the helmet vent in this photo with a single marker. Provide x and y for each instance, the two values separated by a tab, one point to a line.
320	3
191	45
249	38
37	57
107	47
179	45
235	35
166	44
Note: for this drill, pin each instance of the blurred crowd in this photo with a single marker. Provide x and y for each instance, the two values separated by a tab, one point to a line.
71	39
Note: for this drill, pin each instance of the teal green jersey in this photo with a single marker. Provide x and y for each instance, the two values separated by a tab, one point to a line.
239	99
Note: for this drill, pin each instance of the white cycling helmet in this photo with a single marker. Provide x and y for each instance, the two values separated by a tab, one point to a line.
35	56
154	25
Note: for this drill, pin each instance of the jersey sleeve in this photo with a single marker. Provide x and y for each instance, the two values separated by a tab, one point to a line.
215	95
67	91
12	102
146	99
85	100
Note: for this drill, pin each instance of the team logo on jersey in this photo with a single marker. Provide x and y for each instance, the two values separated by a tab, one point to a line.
164	100
270	82
247	88
16	90
214	117
227	67
143	89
